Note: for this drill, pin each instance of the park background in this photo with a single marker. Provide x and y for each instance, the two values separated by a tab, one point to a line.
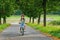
42	15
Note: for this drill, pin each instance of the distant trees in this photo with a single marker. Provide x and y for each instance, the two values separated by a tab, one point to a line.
34	8
5	9
31	8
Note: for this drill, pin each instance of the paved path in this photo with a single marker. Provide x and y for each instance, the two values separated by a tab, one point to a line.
12	33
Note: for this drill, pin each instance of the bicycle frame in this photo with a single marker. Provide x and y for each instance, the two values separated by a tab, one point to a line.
22	30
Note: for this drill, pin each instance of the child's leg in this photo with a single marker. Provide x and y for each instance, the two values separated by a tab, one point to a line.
20	28
24	27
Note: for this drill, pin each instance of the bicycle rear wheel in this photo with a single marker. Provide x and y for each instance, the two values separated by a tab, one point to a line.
22	30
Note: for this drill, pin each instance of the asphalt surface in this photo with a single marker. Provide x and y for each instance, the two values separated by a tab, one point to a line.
13	33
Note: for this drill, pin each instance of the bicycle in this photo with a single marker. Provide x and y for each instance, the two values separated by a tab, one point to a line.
22	30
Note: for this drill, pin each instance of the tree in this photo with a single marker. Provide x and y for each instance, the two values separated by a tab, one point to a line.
27	7
53	5
38	5
44	11
50	5
0	12
39	16
34	9
6	9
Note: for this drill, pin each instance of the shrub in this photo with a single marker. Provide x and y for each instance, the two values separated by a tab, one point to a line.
55	33
55	22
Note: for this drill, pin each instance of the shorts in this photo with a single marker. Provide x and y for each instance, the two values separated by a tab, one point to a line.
22	25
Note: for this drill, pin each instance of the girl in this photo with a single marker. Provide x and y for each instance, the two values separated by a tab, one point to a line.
22	22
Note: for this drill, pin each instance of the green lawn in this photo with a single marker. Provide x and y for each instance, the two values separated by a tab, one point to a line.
3	26
14	18
55	17
17	17
53	30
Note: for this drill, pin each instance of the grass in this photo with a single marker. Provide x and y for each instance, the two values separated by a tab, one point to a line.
54	23
14	18
54	17
3	26
53	30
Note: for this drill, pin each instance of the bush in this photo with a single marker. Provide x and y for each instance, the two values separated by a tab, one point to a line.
55	22
55	33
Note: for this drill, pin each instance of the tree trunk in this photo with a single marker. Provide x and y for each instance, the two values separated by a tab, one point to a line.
44	18
30	19
44	9
39	16
0	20
4	20
33	20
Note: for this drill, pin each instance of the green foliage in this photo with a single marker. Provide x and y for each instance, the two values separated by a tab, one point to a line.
53	5
55	22
3	26
55	33
6	7
29	7
17	12
54	13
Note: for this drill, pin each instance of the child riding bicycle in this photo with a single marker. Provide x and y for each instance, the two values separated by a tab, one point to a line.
22	22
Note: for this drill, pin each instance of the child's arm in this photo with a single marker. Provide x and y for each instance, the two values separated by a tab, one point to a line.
19	21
